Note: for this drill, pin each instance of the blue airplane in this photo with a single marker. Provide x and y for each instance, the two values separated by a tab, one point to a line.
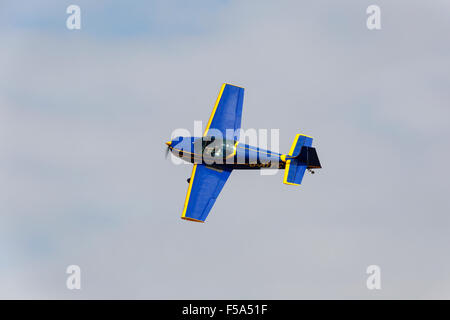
219	152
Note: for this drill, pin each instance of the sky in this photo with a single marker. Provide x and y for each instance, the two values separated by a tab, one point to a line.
84	115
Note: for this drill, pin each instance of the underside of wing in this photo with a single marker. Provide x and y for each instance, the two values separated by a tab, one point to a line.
204	187
227	111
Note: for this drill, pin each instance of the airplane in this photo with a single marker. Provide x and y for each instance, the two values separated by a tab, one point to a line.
218	152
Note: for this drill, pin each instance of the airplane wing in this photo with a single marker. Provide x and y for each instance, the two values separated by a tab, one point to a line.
227	110
204	187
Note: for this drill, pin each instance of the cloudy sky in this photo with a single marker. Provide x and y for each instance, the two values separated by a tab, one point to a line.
84	115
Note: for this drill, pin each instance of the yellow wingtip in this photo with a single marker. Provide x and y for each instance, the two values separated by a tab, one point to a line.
192	219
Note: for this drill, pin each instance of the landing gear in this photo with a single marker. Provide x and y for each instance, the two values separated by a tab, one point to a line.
310	170
188	180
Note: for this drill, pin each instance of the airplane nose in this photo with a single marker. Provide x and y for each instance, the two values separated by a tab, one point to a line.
169	143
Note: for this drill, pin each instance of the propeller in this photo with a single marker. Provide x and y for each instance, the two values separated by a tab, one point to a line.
167	152
168	148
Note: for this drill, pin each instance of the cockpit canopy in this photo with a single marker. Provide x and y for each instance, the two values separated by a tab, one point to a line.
215	147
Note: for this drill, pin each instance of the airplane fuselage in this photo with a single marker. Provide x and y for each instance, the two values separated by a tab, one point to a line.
224	153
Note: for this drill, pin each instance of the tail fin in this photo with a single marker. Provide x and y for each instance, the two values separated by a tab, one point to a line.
301	157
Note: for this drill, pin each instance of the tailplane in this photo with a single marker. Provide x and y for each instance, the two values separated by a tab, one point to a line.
300	158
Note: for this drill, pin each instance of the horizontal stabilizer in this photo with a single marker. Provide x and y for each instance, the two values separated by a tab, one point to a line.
297	159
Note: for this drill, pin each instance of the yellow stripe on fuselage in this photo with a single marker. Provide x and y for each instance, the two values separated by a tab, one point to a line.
234	151
184	151
268	152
